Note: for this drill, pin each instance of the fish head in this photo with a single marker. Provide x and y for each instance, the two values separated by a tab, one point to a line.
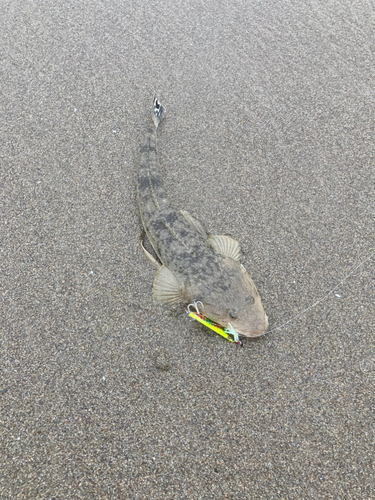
238	306
249	318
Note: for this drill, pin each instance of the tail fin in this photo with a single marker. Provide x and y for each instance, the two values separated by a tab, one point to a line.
157	113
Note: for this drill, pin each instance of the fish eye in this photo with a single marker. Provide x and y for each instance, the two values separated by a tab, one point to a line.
233	314
250	300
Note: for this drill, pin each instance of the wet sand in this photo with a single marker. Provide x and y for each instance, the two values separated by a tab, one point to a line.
269	137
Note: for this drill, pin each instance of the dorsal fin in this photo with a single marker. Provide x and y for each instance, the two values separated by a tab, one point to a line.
194	223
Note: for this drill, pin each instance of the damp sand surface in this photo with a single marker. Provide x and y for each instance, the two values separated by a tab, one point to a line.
268	138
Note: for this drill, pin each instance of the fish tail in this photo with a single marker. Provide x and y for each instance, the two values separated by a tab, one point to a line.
151	192
156	185
157	112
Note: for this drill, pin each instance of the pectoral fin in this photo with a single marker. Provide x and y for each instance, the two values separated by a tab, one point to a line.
225	246
194	223
167	289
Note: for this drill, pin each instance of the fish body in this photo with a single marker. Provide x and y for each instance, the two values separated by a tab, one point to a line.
194	267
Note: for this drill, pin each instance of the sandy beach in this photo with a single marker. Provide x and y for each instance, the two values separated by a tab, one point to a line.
268	138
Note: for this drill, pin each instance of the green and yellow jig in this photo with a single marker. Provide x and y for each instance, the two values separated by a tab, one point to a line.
224	332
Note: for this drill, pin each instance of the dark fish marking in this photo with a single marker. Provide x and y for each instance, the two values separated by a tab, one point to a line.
143	183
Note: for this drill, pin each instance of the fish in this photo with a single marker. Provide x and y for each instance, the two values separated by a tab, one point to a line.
192	266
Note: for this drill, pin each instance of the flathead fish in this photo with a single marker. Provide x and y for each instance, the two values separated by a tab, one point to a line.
194	267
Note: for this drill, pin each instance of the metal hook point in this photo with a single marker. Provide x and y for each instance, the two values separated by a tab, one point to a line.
195	305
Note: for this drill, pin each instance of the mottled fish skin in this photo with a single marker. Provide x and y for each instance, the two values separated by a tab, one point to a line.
194	268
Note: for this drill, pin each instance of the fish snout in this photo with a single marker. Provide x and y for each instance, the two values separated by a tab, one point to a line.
258	329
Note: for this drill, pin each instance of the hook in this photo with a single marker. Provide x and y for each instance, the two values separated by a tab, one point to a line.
195	305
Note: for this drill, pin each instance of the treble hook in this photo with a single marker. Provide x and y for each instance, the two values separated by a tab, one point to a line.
195	305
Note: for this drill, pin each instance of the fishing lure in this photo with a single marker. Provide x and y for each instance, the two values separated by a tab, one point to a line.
226	332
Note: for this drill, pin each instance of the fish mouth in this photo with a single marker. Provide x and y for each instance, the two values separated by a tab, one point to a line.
254	334
257	333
